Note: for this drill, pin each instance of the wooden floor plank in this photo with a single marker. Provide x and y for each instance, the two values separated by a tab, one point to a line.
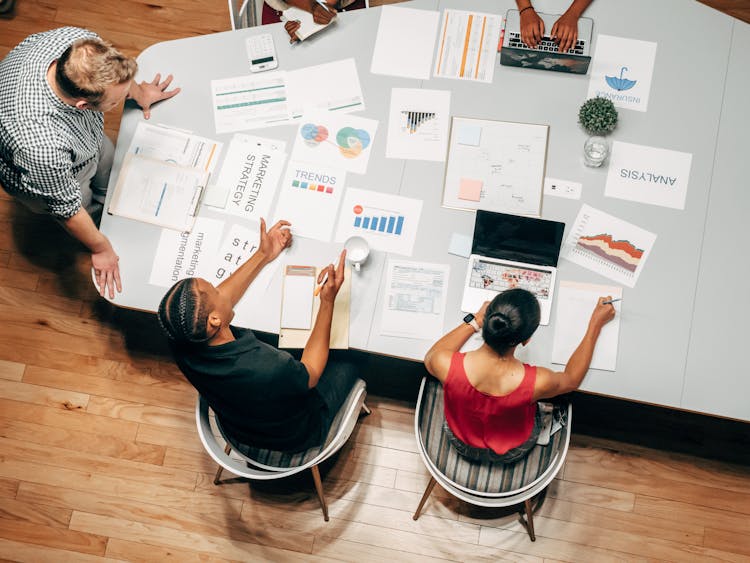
139	412
12	371
35	513
42	395
27	552
53	536
137	552
692	514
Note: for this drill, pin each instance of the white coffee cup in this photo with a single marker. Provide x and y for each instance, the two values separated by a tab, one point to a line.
357	251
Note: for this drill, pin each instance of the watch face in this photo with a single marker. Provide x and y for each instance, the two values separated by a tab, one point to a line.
468	318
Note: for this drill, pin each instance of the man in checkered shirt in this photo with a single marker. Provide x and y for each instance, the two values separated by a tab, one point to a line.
54	157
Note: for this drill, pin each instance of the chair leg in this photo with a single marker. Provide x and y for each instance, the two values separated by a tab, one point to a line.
227	449
319	490
366	410
528	523
425	496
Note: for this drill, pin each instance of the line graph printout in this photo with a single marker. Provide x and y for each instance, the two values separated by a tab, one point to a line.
249	102
330	86
175	145
388	222
608	246
418	124
467	45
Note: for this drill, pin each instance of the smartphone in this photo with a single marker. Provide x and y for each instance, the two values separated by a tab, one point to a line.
261	52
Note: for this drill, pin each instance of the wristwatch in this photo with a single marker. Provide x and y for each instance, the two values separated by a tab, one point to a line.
470	320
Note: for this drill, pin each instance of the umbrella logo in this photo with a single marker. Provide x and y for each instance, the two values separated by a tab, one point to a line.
620	83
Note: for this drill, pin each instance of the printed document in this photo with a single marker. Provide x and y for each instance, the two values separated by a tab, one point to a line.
418	124
405	42
158	192
415	296
330	86
575	302
250	102
467	45
175	145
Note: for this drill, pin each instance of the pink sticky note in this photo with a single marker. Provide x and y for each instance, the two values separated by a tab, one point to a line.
469	189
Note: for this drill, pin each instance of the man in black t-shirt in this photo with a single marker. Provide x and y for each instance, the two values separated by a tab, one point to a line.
262	396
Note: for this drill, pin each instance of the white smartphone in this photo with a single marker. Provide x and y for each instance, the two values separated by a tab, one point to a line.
261	52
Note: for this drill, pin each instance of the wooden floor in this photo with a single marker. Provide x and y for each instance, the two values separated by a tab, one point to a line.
99	457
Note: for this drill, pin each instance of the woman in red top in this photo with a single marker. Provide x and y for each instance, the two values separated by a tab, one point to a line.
490	396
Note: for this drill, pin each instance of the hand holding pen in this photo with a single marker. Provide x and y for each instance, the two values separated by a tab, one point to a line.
331	279
603	312
322	13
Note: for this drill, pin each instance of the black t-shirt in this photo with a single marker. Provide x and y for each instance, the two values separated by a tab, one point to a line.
259	393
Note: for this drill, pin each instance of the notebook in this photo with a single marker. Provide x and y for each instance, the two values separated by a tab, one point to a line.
510	251
546	56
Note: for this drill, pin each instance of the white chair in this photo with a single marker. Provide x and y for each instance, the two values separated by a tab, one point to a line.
244	13
265	465
491	485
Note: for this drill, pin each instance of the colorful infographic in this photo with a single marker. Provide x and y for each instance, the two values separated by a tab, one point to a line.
388	222
608	246
333	139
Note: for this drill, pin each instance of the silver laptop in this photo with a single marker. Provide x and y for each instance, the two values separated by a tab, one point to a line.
546	56
510	251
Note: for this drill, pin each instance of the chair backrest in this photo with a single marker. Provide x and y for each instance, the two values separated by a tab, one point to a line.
485	484
270	464
242	13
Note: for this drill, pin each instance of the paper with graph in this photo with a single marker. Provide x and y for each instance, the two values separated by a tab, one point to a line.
388	222
249	102
335	139
496	166
608	246
175	145
575	302
418	124
467	45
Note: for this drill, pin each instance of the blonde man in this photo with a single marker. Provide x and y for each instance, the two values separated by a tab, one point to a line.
54	156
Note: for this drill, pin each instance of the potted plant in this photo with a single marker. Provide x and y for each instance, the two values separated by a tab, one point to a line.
598	117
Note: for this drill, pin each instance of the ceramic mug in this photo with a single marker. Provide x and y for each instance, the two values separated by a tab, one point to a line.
357	251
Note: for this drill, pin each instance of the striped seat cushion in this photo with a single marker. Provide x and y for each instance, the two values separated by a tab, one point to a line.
484	478
274	459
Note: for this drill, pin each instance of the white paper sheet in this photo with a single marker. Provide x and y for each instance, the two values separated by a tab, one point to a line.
250	102
608	246
621	71
297	300
335	139
237	246
309	198
414	304
460	245
418	124
405	42
183	255
307	25
175	145
158	192
330	86
648	175
575	302
562	188
467	45
249	176
496	166
388	222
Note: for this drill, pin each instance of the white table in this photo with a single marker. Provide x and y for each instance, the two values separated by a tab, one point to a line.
680	334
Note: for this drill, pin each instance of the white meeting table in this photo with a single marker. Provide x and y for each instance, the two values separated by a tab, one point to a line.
681	332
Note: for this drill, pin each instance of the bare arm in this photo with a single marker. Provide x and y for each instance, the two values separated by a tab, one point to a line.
270	246
103	257
315	354
438	358
549	383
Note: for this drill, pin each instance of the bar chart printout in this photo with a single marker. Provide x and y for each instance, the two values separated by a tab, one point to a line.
388	222
608	246
467	45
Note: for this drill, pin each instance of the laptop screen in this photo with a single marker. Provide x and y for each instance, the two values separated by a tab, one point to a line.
521	239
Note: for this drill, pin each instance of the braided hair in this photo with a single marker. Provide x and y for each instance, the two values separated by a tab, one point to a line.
511	318
183	314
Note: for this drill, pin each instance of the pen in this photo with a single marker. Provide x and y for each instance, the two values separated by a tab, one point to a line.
323	4
317	289
611	301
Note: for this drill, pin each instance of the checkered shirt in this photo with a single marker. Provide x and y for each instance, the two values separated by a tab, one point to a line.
44	142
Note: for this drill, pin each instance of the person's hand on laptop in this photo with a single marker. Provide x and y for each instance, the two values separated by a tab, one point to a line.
565	31
532	27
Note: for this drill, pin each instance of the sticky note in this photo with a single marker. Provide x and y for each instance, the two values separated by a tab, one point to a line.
469	134
469	189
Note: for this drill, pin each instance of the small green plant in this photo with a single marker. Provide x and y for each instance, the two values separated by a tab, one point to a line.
598	116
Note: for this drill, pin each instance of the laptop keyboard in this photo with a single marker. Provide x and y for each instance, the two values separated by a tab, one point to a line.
546	44
499	277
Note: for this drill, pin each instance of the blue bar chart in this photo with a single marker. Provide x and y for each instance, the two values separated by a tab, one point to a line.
378	220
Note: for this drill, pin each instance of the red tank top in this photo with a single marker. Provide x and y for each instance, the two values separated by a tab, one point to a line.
500	423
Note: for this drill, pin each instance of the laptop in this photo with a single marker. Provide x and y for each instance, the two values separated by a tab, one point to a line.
545	56
511	251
